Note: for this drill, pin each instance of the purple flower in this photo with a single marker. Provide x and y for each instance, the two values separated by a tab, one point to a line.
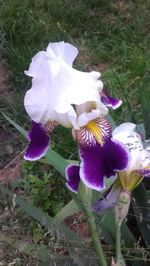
100	156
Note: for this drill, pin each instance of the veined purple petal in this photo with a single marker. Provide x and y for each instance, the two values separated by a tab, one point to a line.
73	178
145	172
109	101
109	201
39	142
99	161
97	130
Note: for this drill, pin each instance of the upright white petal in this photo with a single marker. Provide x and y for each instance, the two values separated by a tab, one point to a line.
124	127
37	67
130	138
146	157
125	133
66	51
136	159
57	87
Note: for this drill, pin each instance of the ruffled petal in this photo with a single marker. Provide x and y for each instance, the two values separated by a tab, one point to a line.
125	134
56	86
99	161
66	51
39	143
37	67
109	201
109	101
127	128
73	178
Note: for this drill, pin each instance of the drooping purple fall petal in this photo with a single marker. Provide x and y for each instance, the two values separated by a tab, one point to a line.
73	178
109	101
39	142
99	161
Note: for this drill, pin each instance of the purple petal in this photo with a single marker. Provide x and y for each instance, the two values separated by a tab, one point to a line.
39	143
109	201
144	172
86	137
109	101
73	178
99	161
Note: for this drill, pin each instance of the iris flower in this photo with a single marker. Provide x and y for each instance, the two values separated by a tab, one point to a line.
63	95
100	158
138	168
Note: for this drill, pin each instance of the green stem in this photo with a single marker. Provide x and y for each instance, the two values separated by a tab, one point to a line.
119	257
95	238
121	211
85	195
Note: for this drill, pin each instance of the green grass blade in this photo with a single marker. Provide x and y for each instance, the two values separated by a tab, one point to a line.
74	243
141	207
145	102
40	252
67	211
109	230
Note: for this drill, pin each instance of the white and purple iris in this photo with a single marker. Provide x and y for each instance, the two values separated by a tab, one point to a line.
138	168
63	95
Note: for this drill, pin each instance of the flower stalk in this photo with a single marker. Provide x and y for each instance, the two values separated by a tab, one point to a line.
121	211
85	196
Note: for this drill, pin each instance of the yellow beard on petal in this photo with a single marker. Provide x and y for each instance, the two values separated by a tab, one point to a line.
95	130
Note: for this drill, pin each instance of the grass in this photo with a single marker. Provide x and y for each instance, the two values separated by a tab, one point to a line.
114	33
112	37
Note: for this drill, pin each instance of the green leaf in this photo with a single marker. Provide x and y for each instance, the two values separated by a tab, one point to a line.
60	230
111	121
74	243
71	208
19	128
45	161
57	161
141	207
107	224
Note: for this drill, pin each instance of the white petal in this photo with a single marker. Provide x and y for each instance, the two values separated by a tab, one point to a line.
66	51
84	118
125	127
136	160
146	157
125	133
36	66
132	141
56	86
